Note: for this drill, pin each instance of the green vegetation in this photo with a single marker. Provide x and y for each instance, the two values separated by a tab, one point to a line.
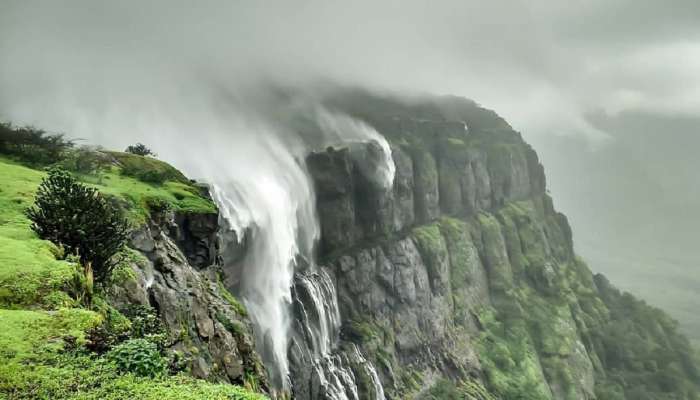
430	244
461	250
140	199
240	308
139	357
509	360
546	303
31	145
79	219
51	346
147	169
30	274
140	149
467	390
81	377
644	355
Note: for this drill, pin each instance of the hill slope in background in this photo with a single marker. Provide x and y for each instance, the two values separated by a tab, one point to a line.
633	205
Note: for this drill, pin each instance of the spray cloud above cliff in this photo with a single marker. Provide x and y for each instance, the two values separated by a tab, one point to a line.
543	66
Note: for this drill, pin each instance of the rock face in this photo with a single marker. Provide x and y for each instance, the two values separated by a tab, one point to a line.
464	272
178	276
458	281
435	175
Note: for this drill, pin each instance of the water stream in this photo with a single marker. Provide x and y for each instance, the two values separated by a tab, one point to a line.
271	209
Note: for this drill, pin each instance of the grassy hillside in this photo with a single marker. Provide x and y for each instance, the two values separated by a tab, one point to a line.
43	323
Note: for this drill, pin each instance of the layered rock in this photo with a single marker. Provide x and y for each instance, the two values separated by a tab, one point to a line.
178	277
440	171
464	271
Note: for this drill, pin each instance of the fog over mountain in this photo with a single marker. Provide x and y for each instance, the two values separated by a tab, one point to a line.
607	92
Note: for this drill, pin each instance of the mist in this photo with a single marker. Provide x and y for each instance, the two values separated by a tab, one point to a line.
598	87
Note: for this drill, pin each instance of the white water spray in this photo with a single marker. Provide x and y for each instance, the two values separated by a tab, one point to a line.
341	129
256	169
333	369
274	206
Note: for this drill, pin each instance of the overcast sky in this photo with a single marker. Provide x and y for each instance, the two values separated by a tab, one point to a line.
541	64
607	91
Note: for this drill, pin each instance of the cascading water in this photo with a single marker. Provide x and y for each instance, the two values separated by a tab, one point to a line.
276	211
341	129
271	208
333	371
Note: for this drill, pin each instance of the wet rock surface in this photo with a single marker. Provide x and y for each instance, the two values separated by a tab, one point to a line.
179	278
463	270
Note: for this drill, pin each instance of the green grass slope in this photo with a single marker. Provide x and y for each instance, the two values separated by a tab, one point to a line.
42	325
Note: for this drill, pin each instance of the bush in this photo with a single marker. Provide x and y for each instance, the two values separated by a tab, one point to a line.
145	324
140	149
139	357
33	146
79	219
86	160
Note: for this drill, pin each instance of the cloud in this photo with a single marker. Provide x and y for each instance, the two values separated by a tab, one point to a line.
543	65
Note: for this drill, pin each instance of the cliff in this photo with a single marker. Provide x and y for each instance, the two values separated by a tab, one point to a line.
165	294
461	279
457	281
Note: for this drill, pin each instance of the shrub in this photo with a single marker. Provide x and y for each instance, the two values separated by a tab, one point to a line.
86	160
79	219
145	324
140	149
139	357
32	145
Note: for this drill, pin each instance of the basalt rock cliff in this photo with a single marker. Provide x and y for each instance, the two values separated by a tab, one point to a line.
180	277
461	280
458	281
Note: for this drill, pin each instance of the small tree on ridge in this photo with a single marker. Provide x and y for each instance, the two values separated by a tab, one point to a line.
140	149
80	219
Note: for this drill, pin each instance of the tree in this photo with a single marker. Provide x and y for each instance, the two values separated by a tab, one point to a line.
32	145
140	149
81	220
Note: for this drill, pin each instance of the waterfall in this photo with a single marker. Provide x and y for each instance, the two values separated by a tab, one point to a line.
333	372
341	129
270	205
268	202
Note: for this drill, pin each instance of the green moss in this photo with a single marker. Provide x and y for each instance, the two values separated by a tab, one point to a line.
467	390
433	251
461	250
363	330
29	271
428	237
411	381
226	294
430	244
26	335
509	360
147	169
474	390
235	327
495	254
139	196
455	142
79	377
464	265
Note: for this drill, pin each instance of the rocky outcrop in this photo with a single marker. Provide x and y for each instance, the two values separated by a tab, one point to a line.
178	276
442	171
196	235
464	272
